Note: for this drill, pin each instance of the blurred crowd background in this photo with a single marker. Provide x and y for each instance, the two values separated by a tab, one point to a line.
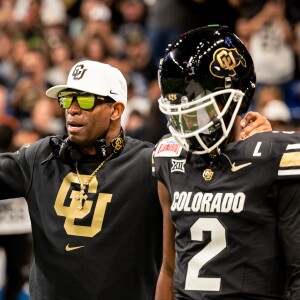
41	39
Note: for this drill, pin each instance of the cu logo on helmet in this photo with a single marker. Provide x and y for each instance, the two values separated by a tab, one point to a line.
226	60
78	72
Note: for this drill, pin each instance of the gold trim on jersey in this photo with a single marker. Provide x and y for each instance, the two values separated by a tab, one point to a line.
291	159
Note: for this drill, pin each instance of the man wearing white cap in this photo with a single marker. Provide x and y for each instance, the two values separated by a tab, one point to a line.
96	219
93	204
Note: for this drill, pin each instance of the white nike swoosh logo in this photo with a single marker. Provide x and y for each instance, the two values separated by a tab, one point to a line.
68	248
235	168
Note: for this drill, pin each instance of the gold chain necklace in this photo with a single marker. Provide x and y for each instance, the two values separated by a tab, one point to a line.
82	195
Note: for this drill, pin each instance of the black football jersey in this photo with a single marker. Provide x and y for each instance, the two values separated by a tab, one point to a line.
237	218
110	249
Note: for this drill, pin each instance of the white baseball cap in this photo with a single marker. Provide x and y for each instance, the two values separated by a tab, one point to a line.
96	78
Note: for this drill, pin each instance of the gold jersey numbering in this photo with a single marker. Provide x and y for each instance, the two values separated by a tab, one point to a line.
71	213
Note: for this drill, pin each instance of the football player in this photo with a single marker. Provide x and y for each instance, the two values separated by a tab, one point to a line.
231	209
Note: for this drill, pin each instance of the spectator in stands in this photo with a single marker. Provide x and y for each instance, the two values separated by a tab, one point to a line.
271	47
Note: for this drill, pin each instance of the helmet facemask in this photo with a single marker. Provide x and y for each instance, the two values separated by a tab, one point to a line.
199	124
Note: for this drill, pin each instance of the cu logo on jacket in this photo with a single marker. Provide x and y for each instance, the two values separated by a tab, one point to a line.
94	209
78	72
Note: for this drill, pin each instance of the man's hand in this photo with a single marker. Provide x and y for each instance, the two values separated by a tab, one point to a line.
253	123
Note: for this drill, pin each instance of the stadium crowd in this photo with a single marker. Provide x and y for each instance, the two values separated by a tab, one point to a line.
41	40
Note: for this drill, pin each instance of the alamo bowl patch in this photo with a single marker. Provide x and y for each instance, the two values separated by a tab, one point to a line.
168	148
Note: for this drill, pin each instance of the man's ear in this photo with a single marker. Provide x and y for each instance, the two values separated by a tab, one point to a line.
117	109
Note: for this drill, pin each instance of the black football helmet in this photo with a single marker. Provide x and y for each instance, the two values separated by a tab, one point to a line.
206	78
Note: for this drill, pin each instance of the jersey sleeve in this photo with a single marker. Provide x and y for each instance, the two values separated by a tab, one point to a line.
288	195
289	166
16	171
289	232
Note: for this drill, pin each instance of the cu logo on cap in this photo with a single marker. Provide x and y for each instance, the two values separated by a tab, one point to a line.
78	72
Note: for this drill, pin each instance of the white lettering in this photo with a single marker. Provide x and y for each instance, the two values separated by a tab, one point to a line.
197	201
181	201
256	150
208	202
227	202
175	199
238	203
207	197
216	203
187	202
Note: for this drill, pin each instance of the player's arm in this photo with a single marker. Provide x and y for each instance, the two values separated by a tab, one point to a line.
14	180
289	230
164	289
252	123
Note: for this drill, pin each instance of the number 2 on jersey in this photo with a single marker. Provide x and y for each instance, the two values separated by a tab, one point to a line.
213	248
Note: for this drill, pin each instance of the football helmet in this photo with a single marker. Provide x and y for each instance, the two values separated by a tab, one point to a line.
207	78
